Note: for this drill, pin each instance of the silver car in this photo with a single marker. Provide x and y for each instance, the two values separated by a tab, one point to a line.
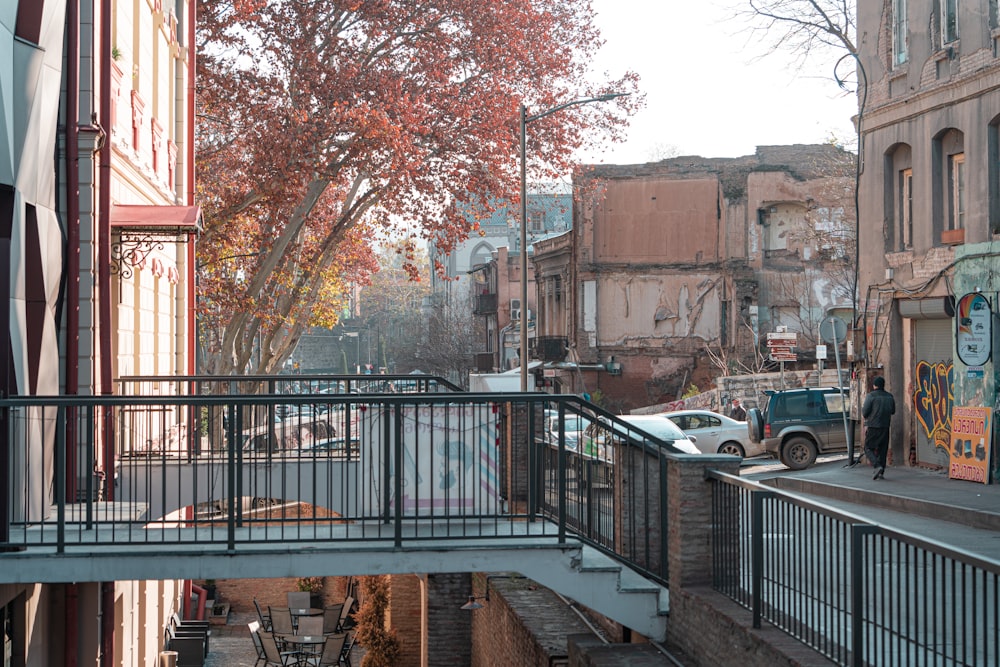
715	433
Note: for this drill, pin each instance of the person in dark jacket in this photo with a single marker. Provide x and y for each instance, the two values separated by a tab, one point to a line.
878	410
738	412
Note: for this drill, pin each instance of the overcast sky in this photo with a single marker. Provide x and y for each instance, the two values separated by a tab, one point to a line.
705	92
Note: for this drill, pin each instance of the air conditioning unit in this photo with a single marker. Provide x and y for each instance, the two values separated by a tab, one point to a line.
515	309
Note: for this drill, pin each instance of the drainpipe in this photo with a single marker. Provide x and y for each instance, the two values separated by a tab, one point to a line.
72	285
103	258
192	296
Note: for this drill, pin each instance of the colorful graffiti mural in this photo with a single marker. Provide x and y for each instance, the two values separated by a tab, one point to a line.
932	400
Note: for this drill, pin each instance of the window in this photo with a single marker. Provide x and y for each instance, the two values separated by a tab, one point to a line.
949	21
536	221
956	191
906	208
900	43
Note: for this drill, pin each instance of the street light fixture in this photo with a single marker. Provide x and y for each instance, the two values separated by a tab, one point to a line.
525	119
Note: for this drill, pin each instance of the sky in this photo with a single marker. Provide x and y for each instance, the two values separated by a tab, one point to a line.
707	91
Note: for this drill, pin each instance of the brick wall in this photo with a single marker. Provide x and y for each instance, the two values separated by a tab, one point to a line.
405	610
522	624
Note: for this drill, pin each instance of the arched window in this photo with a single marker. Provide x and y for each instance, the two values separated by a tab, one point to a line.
948	155
899	198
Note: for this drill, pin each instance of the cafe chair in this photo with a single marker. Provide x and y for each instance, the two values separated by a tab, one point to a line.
265	619
281	621
346	621
332	649
331	618
273	655
254	627
299	599
345	653
310	625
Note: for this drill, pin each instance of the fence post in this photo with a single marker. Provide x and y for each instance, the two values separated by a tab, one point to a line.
859	533
757	552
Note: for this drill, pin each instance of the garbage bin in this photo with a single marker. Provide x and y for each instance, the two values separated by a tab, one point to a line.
168	658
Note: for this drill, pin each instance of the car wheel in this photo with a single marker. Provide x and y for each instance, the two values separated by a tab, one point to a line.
732	448
798	453
755	424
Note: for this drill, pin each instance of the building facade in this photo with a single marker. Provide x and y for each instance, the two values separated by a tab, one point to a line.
98	221
930	208
675	271
483	275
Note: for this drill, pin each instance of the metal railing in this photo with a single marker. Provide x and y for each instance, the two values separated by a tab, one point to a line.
857	592
333	465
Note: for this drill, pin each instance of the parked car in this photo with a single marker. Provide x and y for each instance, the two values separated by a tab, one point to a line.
796	425
715	433
574	426
660	427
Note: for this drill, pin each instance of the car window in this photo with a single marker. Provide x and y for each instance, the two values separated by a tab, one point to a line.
711	422
683	422
836	404
792	406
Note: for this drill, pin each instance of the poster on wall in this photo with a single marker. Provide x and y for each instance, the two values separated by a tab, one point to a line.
970	444
973	335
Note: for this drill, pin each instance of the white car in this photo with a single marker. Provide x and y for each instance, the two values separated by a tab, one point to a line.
664	429
715	433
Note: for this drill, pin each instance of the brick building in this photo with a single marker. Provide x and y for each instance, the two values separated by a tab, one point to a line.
670	264
929	207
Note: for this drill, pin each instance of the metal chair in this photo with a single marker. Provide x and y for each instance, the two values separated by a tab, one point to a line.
273	655
254	627
310	625
331	618
299	599
332	651
281	621
345	653
265	619
345	615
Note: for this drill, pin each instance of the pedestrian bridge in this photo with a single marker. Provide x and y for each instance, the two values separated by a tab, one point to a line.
201	478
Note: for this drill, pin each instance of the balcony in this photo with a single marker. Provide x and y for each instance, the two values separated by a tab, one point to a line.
551	348
485	304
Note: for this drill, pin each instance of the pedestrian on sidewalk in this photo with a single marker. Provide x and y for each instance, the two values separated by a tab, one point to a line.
878	410
739	413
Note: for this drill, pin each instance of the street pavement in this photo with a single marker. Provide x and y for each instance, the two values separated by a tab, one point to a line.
963	515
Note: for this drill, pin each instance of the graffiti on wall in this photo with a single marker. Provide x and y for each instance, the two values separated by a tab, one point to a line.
932	400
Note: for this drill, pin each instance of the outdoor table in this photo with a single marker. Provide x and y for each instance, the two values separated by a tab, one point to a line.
305	646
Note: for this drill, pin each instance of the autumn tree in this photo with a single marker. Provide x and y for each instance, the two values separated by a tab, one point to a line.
322	122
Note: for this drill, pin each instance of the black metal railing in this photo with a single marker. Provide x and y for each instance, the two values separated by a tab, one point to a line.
244	468
858	592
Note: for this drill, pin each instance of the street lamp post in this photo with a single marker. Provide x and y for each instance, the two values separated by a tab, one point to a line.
525	119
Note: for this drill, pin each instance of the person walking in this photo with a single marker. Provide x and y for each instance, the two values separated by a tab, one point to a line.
878	410
738	412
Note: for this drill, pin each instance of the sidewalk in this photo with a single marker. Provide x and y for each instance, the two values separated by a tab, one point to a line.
962	514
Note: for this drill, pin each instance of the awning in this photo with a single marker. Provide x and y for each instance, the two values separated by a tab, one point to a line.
156	220
141	229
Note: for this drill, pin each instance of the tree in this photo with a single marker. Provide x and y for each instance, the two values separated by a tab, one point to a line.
381	643
803	27
322	122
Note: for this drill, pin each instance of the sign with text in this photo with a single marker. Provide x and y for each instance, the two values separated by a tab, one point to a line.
973	329
969	457
781	346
